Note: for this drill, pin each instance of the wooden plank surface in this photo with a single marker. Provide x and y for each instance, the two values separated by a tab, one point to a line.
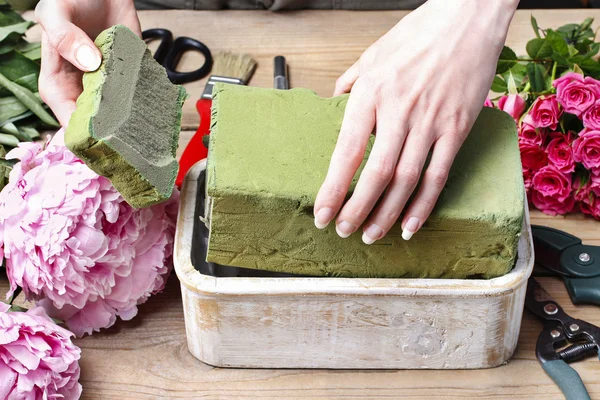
147	358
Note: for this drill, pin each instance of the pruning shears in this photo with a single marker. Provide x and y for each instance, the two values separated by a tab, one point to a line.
558	253
581	339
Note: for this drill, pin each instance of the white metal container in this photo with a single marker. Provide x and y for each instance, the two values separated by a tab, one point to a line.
297	322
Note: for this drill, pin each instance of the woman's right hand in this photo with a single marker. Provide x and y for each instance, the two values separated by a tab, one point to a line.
68	50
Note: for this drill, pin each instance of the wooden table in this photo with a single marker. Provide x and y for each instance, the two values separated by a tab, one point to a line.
147	358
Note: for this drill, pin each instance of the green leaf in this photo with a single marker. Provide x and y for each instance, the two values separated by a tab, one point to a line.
507	59
8	140
568	29
594	48
557	43
588	65
7	163
518	71
29	99
33	51
512	86
536	28
587	23
4	171
15	308
9	17
10	43
577	70
499	85
12	129
537	77
538	49
10	107
20	28
30	131
572	51
19	117
19	69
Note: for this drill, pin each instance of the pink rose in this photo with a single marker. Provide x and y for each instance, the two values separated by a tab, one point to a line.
589	200
528	133
528	179
488	103
560	153
544	113
591	118
533	157
37	358
586	149
576	93
513	104
551	192
74	245
595	184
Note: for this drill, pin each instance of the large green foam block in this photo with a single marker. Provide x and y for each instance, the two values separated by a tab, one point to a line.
128	118
269	154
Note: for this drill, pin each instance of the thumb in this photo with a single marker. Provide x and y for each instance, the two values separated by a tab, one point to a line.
72	43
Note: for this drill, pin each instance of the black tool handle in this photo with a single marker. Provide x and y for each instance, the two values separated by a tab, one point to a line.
584	290
180	46
280	73
567	379
166	41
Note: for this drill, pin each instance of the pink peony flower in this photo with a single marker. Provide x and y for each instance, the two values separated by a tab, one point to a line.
513	104
551	191
560	153
72	243
576	93
528	134
488	103
544	113
591	117
586	149
37	358
533	157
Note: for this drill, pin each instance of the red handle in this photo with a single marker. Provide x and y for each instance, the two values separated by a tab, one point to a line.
195	150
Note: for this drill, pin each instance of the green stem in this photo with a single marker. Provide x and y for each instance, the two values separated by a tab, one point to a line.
554	66
527	87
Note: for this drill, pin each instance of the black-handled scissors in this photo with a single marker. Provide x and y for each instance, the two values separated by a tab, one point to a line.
169	52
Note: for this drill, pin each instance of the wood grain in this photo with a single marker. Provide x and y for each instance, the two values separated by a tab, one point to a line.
147	358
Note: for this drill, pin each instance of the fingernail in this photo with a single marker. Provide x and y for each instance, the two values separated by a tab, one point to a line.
345	229
88	58
412	225
371	234
323	217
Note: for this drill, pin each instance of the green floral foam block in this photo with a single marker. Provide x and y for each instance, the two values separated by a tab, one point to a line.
126	126
269	154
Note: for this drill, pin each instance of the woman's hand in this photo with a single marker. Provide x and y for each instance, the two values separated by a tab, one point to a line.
420	88
68	49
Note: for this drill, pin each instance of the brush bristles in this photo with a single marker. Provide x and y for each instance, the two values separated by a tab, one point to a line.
234	66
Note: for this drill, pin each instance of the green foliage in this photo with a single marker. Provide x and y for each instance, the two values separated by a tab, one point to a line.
553	52
22	113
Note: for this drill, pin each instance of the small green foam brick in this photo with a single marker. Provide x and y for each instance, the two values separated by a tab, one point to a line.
126	126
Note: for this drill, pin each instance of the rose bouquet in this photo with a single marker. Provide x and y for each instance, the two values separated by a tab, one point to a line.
73	244
554	96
